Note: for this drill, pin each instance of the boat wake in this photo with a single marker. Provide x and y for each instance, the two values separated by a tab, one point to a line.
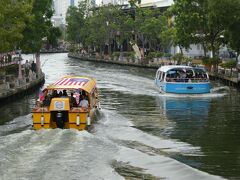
55	154
17	125
215	93
222	89
143	155
113	148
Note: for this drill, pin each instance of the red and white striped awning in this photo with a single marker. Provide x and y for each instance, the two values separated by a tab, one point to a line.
71	82
74	82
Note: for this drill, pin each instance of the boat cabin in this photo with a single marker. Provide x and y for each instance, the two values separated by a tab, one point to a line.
182	80
181	74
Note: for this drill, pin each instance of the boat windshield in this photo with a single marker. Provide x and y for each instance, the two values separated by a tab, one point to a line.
187	75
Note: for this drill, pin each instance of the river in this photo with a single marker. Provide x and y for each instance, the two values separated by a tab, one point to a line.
139	134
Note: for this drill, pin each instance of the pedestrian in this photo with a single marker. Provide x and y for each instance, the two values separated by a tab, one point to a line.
27	67
34	67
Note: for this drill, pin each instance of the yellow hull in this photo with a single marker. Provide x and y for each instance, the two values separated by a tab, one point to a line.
76	120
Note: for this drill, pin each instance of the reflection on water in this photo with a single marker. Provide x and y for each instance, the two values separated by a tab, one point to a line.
210	124
138	134
184	112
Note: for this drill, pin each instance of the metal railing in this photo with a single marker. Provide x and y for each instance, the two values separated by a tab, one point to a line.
187	80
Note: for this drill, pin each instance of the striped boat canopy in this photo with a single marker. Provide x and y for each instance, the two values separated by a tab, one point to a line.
74	82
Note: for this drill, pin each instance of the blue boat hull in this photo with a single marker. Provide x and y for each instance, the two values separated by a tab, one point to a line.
185	88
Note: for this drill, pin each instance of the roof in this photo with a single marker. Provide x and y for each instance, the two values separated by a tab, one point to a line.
167	68
156	3
74	82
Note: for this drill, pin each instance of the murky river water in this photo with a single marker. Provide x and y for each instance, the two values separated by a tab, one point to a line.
139	134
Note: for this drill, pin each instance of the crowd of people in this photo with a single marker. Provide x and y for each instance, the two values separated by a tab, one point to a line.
30	66
196	75
76	99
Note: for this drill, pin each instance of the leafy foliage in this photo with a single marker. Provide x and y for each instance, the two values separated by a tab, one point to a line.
14	16
212	23
229	64
38	27
53	36
25	24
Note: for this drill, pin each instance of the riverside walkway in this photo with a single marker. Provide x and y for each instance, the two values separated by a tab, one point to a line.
12	85
136	63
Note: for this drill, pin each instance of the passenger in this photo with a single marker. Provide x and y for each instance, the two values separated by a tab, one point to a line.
73	102
84	103
38	103
60	94
80	98
83	93
54	94
43	94
47	100
77	96
64	93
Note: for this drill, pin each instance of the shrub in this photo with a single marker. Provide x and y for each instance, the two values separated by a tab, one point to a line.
167	55
151	55
116	54
187	60
178	57
159	54
72	48
229	64
131	55
210	61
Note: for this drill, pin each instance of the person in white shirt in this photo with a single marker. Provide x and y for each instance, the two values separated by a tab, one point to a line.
84	103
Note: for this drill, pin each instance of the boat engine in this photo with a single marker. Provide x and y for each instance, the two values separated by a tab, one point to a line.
60	120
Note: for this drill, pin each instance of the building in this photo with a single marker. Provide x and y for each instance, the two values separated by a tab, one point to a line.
144	3
60	10
156	3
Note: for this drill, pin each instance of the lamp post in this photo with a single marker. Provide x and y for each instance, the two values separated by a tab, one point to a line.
19	65
38	63
108	41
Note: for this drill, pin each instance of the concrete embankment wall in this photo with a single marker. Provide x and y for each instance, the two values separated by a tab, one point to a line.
229	81
123	62
11	87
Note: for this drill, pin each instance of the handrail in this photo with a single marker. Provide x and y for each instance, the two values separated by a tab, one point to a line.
189	80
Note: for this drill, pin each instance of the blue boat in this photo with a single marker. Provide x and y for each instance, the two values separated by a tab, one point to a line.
180	79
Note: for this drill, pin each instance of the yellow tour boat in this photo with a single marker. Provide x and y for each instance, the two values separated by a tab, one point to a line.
71	102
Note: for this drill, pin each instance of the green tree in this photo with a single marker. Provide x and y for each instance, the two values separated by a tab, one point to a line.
106	25
54	34
229	65
37	27
186	18
196	21
13	18
232	23
76	21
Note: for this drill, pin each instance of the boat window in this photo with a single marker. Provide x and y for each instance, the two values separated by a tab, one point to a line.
93	100
158	74
163	75
186	75
200	73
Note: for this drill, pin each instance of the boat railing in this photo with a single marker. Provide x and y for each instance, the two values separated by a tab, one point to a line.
79	109
41	109
187	80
